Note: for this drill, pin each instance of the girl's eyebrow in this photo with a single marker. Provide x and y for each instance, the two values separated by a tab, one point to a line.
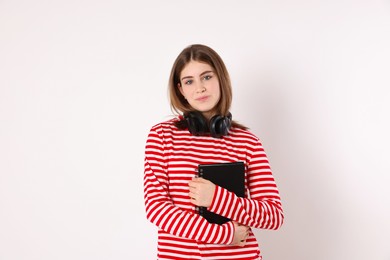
189	77
207	71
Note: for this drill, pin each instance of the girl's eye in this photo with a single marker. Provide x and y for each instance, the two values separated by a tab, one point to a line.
207	77
188	82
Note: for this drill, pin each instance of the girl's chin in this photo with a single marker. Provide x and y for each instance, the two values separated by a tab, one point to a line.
206	113
204	109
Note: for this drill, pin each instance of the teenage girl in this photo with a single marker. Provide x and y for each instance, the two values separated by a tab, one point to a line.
203	132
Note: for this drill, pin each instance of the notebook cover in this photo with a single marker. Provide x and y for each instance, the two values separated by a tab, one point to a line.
230	176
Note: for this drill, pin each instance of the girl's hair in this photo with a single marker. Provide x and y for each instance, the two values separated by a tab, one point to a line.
205	54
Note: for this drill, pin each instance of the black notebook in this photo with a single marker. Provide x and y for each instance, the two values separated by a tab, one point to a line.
230	176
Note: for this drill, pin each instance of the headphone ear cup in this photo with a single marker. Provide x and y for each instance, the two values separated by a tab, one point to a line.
219	125
215	125
196	123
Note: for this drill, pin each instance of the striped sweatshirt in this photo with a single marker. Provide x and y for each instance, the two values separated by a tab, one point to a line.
172	157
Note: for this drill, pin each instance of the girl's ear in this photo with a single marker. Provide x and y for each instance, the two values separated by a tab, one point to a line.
181	89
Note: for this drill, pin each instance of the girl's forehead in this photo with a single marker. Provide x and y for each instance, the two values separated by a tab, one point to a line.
194	68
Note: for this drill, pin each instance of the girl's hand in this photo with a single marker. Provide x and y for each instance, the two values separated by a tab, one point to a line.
241	233
201	192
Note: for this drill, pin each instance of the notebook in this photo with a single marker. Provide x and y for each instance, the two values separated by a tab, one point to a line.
230	176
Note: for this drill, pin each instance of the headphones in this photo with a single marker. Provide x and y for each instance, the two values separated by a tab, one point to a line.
218	126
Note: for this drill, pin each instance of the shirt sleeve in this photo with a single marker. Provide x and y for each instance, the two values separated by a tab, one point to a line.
160	209
262	208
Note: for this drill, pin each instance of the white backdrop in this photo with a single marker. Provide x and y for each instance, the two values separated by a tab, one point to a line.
81	83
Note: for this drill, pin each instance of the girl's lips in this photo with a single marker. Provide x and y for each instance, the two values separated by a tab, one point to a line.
202	98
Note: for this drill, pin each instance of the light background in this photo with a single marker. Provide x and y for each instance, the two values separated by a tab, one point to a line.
82	82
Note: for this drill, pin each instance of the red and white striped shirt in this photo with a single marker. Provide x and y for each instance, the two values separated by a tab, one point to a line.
171	159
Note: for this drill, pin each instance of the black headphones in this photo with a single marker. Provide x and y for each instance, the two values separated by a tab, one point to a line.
217	127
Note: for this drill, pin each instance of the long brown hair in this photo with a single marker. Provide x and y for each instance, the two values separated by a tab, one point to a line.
200	53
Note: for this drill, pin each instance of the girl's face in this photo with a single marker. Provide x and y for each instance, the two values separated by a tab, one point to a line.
200	87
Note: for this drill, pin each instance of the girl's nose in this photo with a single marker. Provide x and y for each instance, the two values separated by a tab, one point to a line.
200	88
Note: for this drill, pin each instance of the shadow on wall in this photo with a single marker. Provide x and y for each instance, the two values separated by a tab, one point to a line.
288	126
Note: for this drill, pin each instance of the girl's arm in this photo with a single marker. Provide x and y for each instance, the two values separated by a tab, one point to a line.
263	208
160	209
